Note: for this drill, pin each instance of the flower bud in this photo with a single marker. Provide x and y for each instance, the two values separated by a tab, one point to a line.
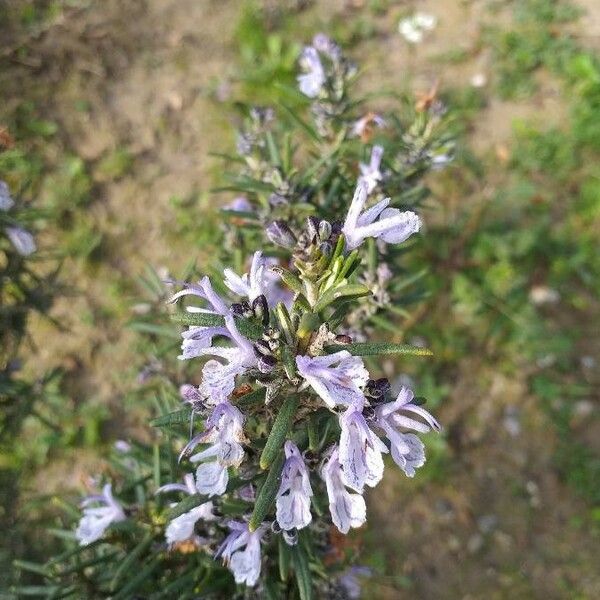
260	308
280	234
325	230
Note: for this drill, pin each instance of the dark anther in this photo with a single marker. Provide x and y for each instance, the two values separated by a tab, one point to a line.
237	309
368	412
291	537
266	363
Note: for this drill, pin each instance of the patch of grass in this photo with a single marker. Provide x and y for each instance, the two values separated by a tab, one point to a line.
114	165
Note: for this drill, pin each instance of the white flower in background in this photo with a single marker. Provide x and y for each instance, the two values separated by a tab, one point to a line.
413	28
347	509
370	174
6	201
96	519
387	224
326	45
241	552
337	378
359	450
478	80
22	240
224	432
293	497
239	204
350	580
542	294
312	80
407	449
181	528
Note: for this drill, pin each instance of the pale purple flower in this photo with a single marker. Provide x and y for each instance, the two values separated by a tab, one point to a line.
241	552
260	281
224	432
359	450
6	201
326	45
212	479
370	174
218	379
22	240
181	528
388	224
239	204
347	509
196	339
96	519
349	580
293	497
407	449
360	126
187	487
337	378
204	290
122	446
311	82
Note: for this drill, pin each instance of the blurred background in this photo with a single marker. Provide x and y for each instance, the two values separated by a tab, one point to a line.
109	114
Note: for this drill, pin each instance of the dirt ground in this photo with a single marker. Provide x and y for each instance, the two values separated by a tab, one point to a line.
500	523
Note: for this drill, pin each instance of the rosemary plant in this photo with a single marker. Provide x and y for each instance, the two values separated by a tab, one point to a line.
283	428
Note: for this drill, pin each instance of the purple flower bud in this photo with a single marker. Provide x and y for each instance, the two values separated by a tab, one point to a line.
22	240
281	235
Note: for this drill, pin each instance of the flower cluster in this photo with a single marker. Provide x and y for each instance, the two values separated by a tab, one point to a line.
22	241
285	418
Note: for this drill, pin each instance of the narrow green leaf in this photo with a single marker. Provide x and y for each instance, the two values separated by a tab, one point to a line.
346	292
138	579
267	493
281	426
289	362
285	322
273	150
185	505
291	280
253	397
378	348
302	570
311	132
198	319
177	417
125	566
247	328
26	565
284	559
351	262
153	329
